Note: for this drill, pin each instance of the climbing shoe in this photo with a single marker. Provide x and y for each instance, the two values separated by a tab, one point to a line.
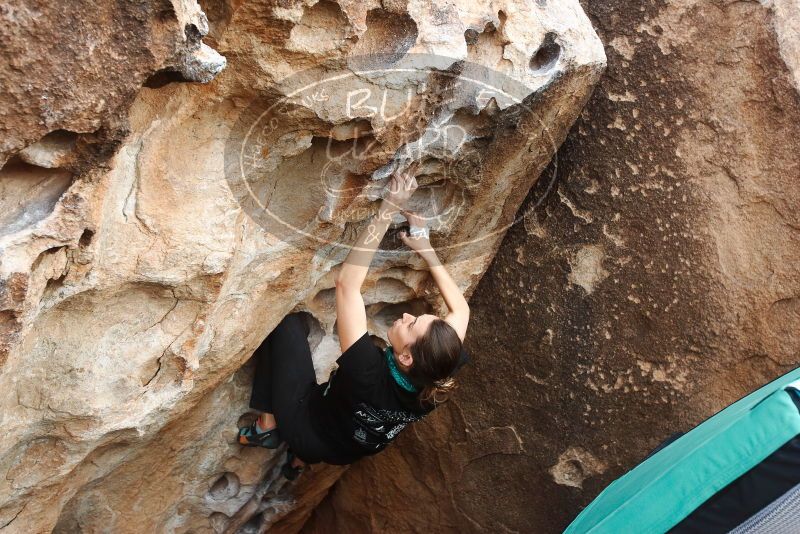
288	471
251	437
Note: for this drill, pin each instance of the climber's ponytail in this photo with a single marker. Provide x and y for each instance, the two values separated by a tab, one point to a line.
438	393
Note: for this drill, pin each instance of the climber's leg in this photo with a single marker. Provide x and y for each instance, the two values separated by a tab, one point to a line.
261	393
292	368
262	432
287	371
293	381
289	341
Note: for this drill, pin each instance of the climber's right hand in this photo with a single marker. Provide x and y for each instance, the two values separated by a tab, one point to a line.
418	242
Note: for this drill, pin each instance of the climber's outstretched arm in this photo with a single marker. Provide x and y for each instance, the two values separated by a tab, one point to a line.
351	317
458	316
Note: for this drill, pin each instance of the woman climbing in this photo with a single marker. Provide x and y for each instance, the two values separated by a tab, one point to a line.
373	394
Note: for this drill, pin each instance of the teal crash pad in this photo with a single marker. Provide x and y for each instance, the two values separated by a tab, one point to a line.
666	487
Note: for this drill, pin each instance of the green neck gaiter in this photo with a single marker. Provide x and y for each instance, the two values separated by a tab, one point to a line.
398	375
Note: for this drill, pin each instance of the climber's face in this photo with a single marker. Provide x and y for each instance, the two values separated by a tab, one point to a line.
405	331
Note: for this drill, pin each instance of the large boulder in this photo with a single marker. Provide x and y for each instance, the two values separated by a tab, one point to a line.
656	284
176	181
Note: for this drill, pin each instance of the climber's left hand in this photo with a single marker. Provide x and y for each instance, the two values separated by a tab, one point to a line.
400	188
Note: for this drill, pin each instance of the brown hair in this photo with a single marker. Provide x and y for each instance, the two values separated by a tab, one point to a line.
436	354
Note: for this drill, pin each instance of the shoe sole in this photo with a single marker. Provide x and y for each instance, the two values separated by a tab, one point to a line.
244	441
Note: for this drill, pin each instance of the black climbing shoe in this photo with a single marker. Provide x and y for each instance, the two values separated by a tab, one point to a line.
251	437
289	472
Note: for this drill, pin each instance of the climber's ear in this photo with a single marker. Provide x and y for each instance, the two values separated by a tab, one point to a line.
405	358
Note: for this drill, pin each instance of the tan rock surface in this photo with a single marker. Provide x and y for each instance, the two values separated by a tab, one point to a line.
137	275
680	183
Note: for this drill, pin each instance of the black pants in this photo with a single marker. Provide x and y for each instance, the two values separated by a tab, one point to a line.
283	382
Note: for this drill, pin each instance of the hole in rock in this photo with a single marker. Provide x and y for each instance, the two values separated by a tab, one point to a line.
547	55
387	39
353	129
386	289
219	522
54	283
325	298
503	17
50	151
28	194
43	254
86	238
164	77
225	487
254	523
192	33
324	18
385	314
486	44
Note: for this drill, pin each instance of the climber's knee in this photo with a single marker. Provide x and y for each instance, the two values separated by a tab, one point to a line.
297	320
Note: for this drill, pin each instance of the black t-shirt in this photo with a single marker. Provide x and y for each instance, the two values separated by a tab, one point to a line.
360	409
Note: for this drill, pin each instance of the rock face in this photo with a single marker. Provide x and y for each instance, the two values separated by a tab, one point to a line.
656	284
144	251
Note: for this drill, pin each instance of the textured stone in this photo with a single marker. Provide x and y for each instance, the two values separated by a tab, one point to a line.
787	28
136	280
684	168
574	466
